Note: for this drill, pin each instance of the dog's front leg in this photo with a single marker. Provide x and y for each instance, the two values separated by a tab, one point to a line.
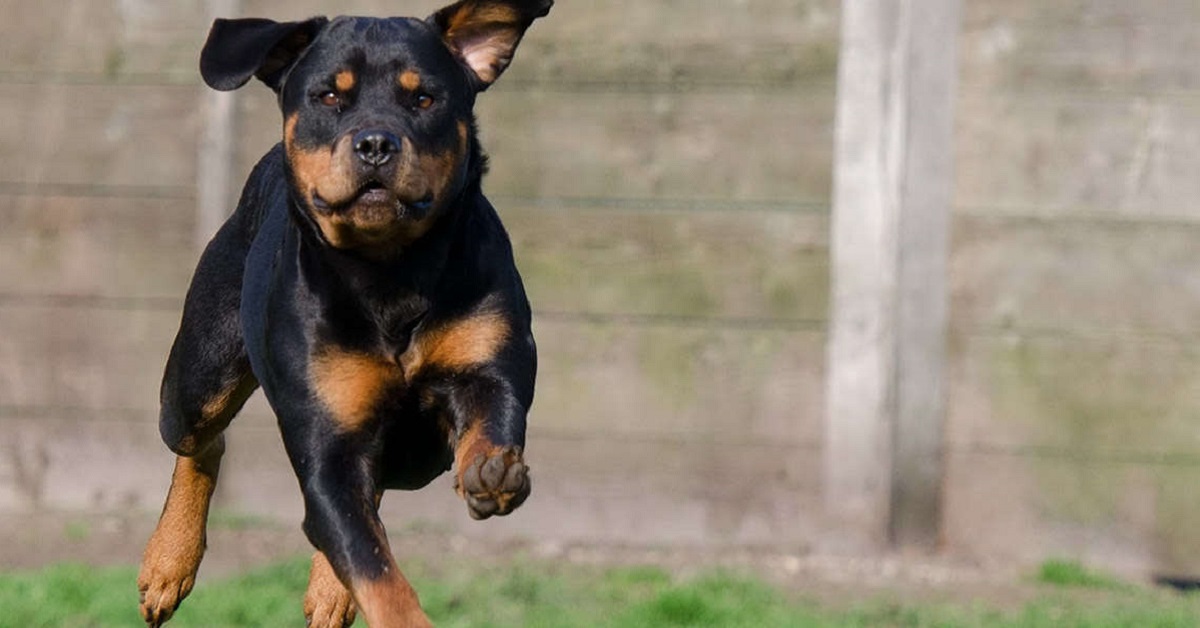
478	372
490	471
342	521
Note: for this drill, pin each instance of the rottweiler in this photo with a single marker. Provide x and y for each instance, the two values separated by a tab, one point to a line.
366	284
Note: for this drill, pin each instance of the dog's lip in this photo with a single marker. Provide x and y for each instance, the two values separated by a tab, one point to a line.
372	192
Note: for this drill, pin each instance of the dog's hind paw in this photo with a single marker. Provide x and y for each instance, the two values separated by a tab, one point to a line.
327	604
337	611
494	483
162	585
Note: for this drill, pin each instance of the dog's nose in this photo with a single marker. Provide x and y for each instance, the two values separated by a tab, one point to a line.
375	147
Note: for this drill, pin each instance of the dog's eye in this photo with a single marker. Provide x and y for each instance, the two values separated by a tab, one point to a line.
424	101
330	99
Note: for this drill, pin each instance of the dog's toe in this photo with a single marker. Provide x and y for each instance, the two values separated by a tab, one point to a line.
327	604
161	592
331	612
495	483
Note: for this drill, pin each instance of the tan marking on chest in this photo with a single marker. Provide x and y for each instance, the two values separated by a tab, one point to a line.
351	385
457	345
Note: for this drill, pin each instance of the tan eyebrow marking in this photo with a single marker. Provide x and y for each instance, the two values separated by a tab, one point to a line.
410	80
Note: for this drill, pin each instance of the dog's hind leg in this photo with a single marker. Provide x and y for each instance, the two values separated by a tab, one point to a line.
327	602
173	553
207	380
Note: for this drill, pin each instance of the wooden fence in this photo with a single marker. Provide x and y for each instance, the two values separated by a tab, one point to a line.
665	172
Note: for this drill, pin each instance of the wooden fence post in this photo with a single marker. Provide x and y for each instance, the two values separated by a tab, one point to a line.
215	192
893	179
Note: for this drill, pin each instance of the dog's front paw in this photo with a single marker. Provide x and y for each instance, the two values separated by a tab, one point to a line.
494	483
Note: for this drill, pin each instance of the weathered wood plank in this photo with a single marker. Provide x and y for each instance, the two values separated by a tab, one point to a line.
1026	44
1134	519
110	247
1126	157
1068	276
765	265
620	20
688	44
1096	396
105	38
126	136
743	146
685	493
769	265
697	382
83	357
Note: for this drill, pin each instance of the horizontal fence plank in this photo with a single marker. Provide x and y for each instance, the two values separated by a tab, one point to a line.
1097	13
126	136
757	265
1085	45
1067	275
740	266
106	247
625	43
103	37
749	146
597	378
768	44
1108	401
678	382
1131	157
684	492
83	357
1134	519
619	20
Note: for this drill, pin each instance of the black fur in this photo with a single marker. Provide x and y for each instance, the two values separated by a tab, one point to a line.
273	289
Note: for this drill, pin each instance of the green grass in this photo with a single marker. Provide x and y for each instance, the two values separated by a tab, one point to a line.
1069	573
544	594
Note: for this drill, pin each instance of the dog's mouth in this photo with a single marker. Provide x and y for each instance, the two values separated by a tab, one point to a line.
373	194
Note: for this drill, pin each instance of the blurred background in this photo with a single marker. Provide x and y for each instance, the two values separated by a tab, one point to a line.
665	170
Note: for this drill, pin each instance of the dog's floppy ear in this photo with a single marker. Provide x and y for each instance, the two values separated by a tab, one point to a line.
484	33
239	49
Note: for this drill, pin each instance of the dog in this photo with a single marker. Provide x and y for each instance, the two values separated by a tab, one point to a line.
368	286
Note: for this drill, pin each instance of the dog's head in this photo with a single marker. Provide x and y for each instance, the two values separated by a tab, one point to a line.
378	123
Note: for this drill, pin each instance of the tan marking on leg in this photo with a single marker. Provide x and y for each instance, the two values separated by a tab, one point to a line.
409	80
344	81
472	444
457	345
350	385
174	551
389	602
494	480
327	603
228	400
